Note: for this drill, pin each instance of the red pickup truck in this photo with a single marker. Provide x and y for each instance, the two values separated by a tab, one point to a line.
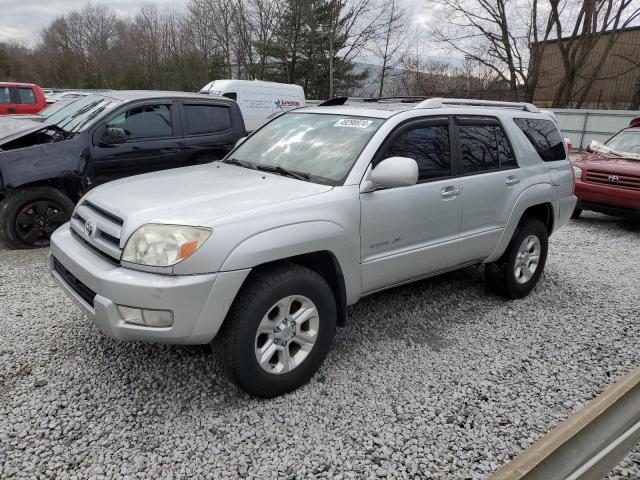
16	98
608	176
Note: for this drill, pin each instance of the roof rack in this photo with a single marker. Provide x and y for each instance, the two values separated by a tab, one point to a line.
443	102
342	100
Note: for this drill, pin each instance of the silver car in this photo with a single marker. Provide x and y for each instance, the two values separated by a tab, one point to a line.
321	206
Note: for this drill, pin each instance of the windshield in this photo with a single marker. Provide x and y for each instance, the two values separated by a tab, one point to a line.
77	116
626	141
53	108
324	147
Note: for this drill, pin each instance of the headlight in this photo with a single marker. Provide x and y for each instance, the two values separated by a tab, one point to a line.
577	172
163	245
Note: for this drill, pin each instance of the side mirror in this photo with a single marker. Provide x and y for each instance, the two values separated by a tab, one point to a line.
114	135
239	142
393	172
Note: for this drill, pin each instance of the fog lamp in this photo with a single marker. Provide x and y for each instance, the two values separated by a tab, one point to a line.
146	317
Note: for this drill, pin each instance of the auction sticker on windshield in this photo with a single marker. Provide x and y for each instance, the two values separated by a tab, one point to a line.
353	123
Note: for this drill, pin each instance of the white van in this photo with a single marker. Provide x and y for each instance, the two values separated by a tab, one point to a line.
258	100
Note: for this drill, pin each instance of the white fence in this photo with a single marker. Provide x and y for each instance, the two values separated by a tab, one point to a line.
583	126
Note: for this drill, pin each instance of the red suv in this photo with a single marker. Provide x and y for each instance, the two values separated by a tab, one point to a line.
20	98
608	176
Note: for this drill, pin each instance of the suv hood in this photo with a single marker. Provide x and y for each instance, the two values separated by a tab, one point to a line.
12	128
610	162
197	195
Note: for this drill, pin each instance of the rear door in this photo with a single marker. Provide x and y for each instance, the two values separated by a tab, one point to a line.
492	181
410	232
208	131
142	138
27	101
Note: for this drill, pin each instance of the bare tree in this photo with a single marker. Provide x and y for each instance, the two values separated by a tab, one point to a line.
497	34
390	46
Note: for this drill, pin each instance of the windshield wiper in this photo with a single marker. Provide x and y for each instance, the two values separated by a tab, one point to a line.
239	163
283	171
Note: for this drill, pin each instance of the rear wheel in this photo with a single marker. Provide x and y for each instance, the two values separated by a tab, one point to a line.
29	216
576	212
278	331
517	272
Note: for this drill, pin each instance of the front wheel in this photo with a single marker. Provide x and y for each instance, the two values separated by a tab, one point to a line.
517	272
278	331
29	216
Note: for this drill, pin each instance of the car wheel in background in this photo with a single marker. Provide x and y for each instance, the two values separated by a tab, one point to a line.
576	212
517	272
278	330
29	216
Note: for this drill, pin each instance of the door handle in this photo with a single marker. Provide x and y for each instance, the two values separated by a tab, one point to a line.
511	180
170	150
449	192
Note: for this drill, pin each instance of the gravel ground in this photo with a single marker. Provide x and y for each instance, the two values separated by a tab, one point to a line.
438	379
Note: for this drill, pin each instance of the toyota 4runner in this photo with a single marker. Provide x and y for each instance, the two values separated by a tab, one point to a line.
318	208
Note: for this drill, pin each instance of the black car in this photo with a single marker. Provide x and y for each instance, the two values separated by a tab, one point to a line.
46	167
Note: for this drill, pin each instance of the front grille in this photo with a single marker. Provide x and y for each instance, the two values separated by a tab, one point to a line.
103	212
108	258
614	179
76	285
98	228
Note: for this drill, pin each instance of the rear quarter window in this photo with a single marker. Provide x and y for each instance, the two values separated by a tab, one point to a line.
544	137
207	119
26	96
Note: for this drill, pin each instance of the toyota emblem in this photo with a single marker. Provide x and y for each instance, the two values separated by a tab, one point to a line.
614	178
89	228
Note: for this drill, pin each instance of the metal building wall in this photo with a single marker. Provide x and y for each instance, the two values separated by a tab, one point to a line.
618	84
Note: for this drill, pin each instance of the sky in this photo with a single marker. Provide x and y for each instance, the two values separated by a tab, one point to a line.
22	20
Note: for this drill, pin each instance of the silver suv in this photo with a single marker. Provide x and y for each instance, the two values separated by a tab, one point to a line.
318	208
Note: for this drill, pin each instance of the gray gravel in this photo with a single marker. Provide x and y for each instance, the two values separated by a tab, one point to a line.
437	379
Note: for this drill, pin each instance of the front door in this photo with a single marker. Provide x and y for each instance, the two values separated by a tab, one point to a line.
144	138
410	232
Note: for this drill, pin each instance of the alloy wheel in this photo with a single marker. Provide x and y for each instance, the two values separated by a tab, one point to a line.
286	335
37	220
527	259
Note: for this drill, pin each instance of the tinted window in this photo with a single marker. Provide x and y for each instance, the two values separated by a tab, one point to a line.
26	96
203	119
479	148
5	96
231	95
484	147
544	136
148	121
429	146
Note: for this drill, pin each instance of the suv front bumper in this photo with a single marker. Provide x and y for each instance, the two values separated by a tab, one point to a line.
199	302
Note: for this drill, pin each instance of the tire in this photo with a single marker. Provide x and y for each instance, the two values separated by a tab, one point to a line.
503	276
29	216
576	212
261	304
